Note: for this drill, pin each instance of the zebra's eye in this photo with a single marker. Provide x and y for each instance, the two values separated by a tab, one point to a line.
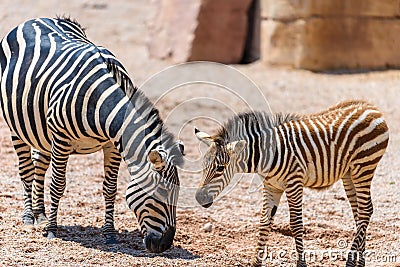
220	168
163	192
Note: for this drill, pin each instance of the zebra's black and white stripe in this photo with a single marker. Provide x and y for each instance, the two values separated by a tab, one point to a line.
63	95
290	152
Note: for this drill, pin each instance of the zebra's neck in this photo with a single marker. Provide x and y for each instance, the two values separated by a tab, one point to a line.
134	124
258	130
136	129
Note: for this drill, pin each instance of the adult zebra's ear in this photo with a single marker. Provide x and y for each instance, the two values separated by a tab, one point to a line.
236	147
157	160
204	137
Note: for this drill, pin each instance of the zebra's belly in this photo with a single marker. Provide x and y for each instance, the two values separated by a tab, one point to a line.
86	145
320	178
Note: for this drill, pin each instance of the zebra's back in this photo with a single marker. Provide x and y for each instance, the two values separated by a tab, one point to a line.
48	69
329	144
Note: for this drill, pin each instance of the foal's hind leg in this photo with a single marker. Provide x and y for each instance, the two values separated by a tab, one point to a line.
351	195
26	174
361	177
42	162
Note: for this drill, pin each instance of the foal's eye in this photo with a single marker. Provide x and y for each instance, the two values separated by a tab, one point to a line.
220	168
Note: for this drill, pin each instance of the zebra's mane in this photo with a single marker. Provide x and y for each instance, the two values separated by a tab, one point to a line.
147	110
138	99
239	125
72	21
122	78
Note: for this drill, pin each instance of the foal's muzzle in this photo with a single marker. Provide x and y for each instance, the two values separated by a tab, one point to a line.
203	197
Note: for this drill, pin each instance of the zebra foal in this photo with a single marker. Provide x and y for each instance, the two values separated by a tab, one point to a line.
60	95
291	152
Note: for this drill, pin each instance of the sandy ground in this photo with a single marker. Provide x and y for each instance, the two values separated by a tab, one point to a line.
123	27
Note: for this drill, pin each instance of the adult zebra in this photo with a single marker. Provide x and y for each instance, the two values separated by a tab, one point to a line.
291	152
63	95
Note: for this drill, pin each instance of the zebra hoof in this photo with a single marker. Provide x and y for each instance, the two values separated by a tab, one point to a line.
256	263
28	224
50	235
28	220
351	259
41	220
27	227
110	240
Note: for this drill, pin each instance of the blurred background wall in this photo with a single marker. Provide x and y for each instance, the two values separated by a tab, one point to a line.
311	34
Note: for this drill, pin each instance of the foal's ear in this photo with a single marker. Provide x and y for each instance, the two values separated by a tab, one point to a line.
236	147
181	147
156	159
204	137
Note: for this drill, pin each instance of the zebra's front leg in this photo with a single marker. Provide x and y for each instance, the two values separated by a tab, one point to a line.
42	163
294	195
60	151
271	197
26	171
112	160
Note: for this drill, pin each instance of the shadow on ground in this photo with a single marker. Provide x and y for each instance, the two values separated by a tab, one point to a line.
130	243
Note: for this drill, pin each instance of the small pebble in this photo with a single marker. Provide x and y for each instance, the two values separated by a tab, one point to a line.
207	227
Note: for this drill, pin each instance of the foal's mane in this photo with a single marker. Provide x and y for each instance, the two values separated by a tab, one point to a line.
243	122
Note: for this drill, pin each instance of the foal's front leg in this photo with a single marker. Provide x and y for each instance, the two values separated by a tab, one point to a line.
294	194
271	197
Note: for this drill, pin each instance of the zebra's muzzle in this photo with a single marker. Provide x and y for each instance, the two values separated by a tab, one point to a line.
204	198
159	244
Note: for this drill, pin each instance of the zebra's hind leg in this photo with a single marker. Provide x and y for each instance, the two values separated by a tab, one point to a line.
271	197
60	151
42	163
351	195
294	194
26	174
112	160
362	178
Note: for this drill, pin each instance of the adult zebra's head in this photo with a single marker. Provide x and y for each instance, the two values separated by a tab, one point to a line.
153	195
219	166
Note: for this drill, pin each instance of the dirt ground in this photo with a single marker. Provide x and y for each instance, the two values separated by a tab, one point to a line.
123	27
